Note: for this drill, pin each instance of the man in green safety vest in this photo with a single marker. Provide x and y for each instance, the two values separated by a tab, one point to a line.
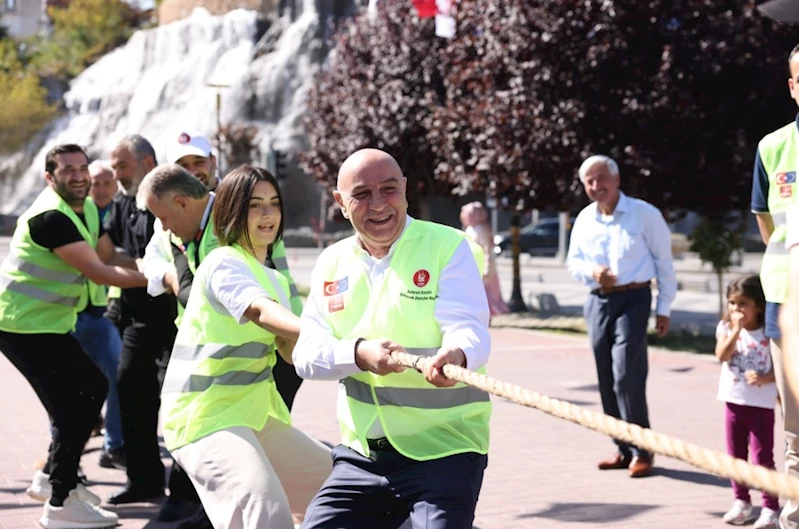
774	193
58	259
414	444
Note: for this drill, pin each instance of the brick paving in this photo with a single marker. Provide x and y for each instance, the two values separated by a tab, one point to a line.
541	471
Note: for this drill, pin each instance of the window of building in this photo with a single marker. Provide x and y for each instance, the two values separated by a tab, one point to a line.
10	5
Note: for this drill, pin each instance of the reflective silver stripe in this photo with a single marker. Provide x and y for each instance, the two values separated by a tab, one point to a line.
37	293
252	350
422	351
280	263
293	292
779	218
776	248
277	288
42	273
432	398
196	383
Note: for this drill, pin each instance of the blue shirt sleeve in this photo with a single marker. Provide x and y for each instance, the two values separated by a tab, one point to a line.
759	186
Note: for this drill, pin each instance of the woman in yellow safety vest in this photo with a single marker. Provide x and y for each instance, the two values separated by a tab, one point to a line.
225	422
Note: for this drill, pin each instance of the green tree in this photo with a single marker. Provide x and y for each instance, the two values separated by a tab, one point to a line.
24	110
83	32
715	242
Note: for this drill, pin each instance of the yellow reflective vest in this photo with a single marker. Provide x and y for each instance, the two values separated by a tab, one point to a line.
39	291
421	421
220	372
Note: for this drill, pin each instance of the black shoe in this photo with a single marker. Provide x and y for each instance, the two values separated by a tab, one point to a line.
173	510
198	521
113	459
135	494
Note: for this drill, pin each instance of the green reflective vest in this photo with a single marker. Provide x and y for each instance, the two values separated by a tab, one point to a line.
220	372
39	292
778	152
98	294
421	421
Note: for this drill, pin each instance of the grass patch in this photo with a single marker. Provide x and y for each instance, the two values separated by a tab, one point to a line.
575	325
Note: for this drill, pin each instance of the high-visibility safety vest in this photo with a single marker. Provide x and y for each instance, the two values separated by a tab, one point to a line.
421	421
220	372
98	294
39	291
778	152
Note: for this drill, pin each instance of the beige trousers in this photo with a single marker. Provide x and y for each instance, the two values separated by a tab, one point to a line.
789	518
256	480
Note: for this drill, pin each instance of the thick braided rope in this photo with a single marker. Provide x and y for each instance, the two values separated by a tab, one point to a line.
709	460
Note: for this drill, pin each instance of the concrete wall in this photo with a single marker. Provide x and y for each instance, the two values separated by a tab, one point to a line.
172	10
21	17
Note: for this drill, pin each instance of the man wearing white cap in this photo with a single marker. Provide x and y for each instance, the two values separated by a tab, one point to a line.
194	153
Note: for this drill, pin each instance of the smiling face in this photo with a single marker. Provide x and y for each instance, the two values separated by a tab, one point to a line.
203	168
264	215
600	185
371	193
70	179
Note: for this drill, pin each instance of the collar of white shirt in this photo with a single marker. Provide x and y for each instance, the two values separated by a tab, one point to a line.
622	206
359	249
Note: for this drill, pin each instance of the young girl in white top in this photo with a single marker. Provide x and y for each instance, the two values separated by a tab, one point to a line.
747	386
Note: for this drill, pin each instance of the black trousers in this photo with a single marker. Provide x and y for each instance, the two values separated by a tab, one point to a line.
139	389
71	388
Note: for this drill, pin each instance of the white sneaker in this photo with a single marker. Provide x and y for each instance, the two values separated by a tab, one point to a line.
740	513
76	514
41	490
768	519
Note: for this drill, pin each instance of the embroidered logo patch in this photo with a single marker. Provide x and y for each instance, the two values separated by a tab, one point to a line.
786	178
420	278
335	304
184	138
336	287
786	191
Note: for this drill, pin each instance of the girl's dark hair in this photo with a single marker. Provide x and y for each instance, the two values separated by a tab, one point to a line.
751	288
232	205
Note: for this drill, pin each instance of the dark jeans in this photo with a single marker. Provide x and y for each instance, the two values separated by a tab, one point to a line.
71	388
139	390
385	491
617	326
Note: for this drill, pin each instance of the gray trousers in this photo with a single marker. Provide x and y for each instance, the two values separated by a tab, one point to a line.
617	326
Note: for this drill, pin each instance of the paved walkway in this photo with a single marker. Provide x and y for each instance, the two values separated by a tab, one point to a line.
541	470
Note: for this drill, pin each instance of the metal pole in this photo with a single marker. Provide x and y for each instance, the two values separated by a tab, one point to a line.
219	133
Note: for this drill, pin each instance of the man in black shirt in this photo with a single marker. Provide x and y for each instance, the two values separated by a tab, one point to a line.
147	327
57	246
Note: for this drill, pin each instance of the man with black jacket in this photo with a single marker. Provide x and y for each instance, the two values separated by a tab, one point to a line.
147	328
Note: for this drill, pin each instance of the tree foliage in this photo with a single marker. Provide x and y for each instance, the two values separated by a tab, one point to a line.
715	244
384	79
83	31
678	93
24	110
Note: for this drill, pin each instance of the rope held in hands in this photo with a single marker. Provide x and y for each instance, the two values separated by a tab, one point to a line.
711	461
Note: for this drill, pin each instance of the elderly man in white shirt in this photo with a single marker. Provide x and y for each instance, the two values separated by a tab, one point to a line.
414	445
618	245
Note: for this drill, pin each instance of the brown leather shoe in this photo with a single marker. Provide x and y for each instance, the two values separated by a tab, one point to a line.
615	462
640	467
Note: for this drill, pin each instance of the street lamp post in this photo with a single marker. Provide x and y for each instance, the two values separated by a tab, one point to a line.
218	124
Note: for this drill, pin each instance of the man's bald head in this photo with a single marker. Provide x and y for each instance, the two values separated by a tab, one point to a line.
365	160
371	193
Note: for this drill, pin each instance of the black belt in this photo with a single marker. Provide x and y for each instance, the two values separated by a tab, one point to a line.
379	444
